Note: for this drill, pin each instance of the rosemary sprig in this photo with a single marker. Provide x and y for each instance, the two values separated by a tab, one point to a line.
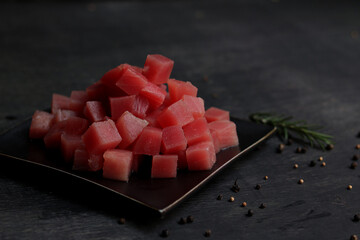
286	126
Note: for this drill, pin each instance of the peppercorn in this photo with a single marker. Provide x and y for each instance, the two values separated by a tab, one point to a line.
164	233
330	147
190	219
207	233
356	157
353	165
357	146
301	181
266	178
231	199
298	150
356	217
250	213
354	237
323	164
320	159
262	205
182	221
219	197
289	141
296	165
235	188
312	163
258	186
121	221
358	135
243	204
349	187
280	148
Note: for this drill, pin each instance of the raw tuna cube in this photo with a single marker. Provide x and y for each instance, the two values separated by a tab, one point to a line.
81	157
164	166
152	117
131	81
215	139
96	92
201	156
182	162
173	139
80	96
101	136
226	132
195	105
177	89
62	115
175	114
197	131
112	76
157	68
94	111
117	164
137	105
95	162
59	102
129	127
149	141
69	143
40	124
215	114
154	94
71	126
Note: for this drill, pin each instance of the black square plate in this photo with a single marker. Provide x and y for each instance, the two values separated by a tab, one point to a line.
158	194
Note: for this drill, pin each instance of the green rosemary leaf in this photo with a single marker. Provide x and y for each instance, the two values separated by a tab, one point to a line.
296	129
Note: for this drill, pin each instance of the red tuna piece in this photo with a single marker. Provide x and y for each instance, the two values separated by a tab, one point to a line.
81	157
175	114
129	127
177	89
157	68
201	156
137	105
111	77
164	166
195	105
96	92
197	131
131	81
101	136
95	162
152	117
216	141
59	102
117	164
215	114
94	111
154	94
63	114
71	126
40	124
149	141
173	139
226	133
69	143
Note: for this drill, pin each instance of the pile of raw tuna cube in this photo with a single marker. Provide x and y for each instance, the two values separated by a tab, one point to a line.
131	113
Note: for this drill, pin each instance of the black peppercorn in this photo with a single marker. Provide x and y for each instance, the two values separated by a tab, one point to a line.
312	163
258	186
207	233
353	165
190	219
356	157
356	217
354	237
266	178
280	148
330	147
164	233
219	197
182	221
121	221
300	150
262	205
357	146
289	141
250	213
235	188
358	135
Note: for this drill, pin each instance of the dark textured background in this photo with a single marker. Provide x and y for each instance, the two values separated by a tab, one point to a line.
300	58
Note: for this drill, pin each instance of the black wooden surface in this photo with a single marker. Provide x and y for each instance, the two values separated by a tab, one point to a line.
300	58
